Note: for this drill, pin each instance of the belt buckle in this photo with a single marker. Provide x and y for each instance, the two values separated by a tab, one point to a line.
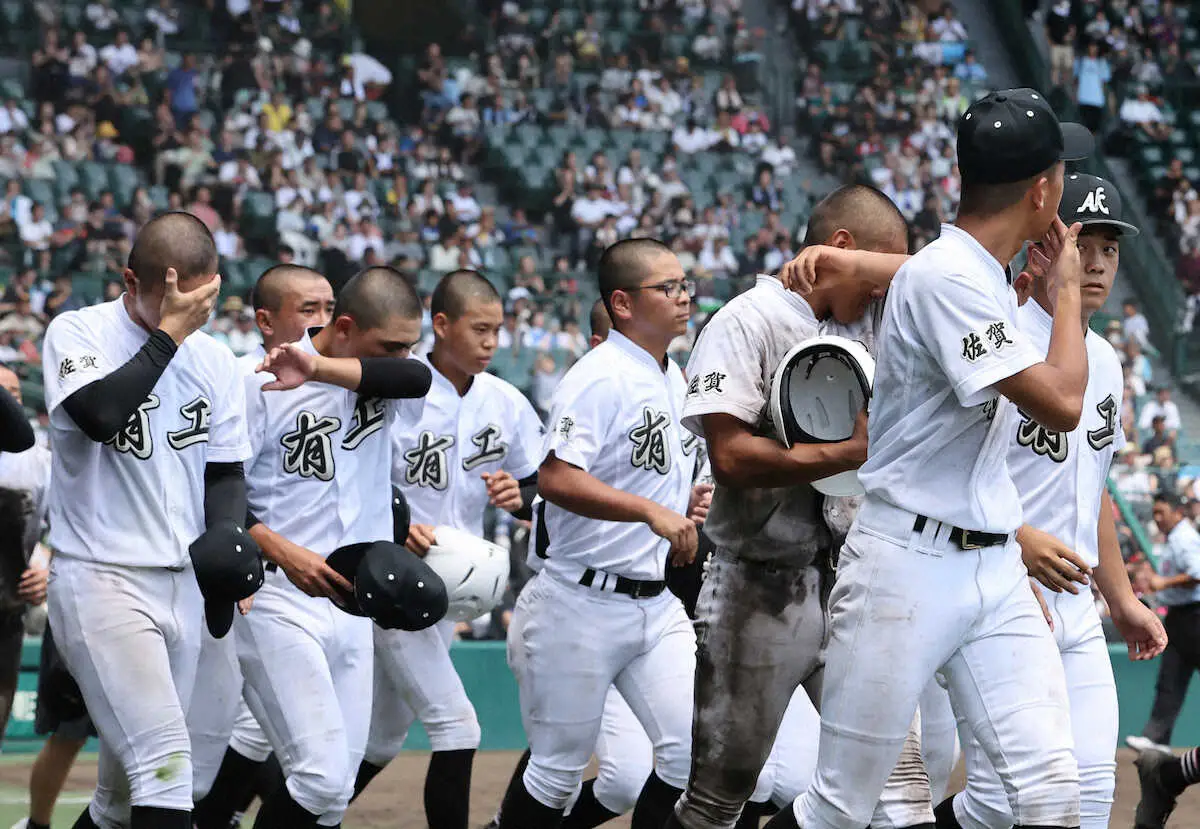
635	591
964	544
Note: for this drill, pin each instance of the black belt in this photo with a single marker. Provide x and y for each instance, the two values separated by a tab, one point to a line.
633	588
270	567
965	539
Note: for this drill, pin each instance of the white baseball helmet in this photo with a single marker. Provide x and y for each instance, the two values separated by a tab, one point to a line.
475	572
817	392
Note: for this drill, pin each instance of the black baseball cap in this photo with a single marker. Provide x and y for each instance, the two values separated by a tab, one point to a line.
1012	135
401	517
1091	200
392	586
229	567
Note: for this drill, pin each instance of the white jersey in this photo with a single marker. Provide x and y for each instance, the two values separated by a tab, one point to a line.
1061	476
438	463
615	415
28	473
321	461
730	372
138	498
938	430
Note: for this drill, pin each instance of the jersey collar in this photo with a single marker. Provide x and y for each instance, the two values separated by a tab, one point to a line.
635	351
128	322
441	379
790	297
981	253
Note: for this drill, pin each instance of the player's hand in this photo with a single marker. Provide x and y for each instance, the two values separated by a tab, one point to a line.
1037	265
1051	562
1141	629
679	530
420	539
699	502
1041	600
856	446
32	587
291	365
182	313
309	572
503	491
817	263
1155	582
245	605
1060	246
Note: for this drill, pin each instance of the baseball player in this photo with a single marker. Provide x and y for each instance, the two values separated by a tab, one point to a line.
287	300
318	480
148	435
477	443
931	568
1069	537
761	614
616	482
1164	776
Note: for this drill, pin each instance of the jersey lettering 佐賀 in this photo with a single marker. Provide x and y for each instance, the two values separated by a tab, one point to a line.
438	462
730	372
1061	476
615	415
138	498
939	431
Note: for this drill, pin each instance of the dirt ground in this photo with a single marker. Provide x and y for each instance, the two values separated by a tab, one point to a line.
394	799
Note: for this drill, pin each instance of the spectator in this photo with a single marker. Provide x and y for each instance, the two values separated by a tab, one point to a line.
101	15
1140	112
1134	325
1092	75
37	232
181	84
970	71
120	56
1162	406
1060	31
1159	438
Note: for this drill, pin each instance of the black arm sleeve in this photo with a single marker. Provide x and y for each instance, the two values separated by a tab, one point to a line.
103	407
251	519
528	493
224	493
16	433
394	377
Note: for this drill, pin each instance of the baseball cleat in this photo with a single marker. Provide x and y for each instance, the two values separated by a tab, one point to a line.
21	824
1139	743
1157	802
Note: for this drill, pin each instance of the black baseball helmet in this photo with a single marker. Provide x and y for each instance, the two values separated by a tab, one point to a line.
392	586
401	517
229	567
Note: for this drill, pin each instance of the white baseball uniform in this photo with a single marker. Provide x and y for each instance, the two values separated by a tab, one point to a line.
124	603
936	477
438	465
318	451
1061	478
615	415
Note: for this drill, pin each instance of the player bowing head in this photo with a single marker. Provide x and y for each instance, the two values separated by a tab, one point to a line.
644	290
173	253
377	314
467	315
288	300
600	323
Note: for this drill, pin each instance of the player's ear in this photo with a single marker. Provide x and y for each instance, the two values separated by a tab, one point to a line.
262	318
622	304
441	324
131	283
844	239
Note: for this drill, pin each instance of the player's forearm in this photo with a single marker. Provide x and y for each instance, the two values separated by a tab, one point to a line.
224	493
879	268
1110	575
576	491
270	542
387	377
529	490
16	433
103	407
1067	353
752	462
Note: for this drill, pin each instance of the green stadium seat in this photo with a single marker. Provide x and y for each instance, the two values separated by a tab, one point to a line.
41	191
1151	156
159	195
427	280
12	12
94	178
629	20
125	180
258	215
528	135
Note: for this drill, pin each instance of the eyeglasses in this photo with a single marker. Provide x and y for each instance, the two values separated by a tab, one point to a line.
670	289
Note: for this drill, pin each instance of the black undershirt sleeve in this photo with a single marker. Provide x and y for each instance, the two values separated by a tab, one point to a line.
528	493
103	407
224	493
394	377
16	433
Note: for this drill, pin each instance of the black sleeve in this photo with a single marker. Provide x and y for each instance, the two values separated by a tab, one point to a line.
103	407
16	433
528	493
224	493
251	519
394	377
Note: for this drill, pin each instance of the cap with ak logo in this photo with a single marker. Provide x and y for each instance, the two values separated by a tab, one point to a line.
1091	200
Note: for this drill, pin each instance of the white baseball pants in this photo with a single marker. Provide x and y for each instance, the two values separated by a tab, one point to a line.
215	701
131	638
967	613
1093	696
940	748
566	645
308	674
248	738
415	680
624	755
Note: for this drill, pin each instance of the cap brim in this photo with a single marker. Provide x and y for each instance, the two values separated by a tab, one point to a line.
1078	142
219	617
1123	228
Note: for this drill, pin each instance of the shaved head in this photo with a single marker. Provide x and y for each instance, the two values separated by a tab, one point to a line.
599	320
375	295
276	281
457	290
626	265
866	213
173	240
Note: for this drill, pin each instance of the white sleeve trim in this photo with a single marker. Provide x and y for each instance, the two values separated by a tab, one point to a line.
970	391
693	413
